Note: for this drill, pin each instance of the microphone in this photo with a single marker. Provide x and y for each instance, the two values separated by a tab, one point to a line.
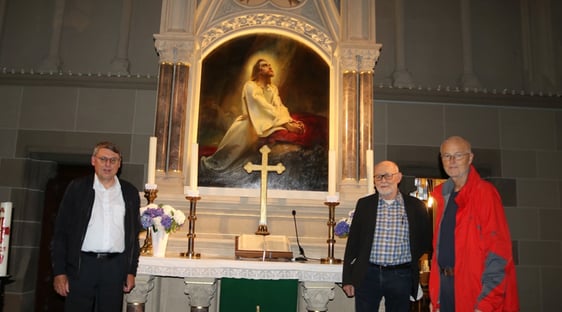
302	257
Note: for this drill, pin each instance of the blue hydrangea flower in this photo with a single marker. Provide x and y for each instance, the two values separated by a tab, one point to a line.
342	228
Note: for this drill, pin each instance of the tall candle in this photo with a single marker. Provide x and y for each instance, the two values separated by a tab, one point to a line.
194	166
5	220
369	163
151	173
332	173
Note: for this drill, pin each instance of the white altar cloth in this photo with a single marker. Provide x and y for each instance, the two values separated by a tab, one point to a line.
311	271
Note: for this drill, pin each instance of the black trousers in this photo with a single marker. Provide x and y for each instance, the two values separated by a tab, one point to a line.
99	285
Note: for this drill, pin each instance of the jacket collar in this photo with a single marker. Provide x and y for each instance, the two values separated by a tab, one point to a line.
466	190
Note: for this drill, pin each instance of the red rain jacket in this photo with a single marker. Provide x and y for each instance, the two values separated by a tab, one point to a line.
484	271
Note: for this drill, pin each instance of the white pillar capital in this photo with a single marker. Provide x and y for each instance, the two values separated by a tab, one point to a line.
317	295
200	291
174	50
360	59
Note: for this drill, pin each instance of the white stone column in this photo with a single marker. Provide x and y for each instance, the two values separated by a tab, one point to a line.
120	63
177	16
468	78
200	292
137	298
317	295
53	62
176	56
358	70
400	77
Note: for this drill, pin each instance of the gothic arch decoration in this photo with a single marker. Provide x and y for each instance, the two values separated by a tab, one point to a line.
279	3
268	22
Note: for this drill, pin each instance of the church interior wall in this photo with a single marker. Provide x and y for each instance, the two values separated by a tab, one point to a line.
88	36
434	44
498	56
517	146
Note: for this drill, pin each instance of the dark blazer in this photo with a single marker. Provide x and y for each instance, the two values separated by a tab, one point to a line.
360	239
72	221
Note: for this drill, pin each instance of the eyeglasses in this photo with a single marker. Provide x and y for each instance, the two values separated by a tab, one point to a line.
112	160
456	156
386	176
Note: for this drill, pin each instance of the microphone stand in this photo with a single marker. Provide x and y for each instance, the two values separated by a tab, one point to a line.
301	257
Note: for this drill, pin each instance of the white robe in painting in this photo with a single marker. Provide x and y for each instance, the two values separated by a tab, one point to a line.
263	113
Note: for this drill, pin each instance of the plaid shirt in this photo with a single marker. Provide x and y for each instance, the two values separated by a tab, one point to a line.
391	243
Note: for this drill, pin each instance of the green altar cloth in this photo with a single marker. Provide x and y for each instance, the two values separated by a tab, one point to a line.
243	295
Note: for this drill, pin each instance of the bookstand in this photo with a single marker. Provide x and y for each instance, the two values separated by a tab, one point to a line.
260	254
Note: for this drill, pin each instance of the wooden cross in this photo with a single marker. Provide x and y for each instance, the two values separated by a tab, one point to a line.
264	168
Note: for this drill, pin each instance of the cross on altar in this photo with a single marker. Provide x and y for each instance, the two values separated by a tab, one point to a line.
264	168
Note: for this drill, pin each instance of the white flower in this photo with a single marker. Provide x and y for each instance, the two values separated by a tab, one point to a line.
179	217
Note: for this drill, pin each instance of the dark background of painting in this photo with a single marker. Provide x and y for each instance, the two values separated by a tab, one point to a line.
303	81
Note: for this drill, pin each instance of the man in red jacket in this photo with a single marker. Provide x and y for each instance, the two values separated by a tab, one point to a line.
472	266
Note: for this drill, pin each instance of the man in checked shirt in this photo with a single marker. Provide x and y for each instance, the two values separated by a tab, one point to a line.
390	231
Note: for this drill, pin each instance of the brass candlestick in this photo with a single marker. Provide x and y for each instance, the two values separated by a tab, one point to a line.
191	232
146	249
262	230
331	241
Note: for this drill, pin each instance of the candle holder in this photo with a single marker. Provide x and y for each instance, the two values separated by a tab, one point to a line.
191	232
262	230
146	249
331	241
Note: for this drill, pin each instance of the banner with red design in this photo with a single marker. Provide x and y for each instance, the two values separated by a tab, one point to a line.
5	220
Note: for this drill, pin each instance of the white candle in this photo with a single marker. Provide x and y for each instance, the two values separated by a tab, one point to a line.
5	220
332	173
333	198
369	163
151	173
194	166
189	192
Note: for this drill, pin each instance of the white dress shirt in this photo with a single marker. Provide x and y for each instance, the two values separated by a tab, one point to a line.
106	229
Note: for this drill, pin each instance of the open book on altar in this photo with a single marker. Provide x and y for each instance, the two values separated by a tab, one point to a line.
263	246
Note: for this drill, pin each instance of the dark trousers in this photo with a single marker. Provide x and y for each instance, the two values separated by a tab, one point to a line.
394	285
447	293
99	285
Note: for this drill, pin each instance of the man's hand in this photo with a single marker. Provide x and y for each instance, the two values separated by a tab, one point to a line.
129	284
295	126
349	290
60	283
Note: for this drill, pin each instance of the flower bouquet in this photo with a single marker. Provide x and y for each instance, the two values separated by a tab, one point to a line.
161	217
161	220
342	226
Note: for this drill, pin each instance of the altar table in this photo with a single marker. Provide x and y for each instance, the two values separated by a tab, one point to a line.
317	281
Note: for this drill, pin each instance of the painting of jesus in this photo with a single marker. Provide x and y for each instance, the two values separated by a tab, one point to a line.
264	90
